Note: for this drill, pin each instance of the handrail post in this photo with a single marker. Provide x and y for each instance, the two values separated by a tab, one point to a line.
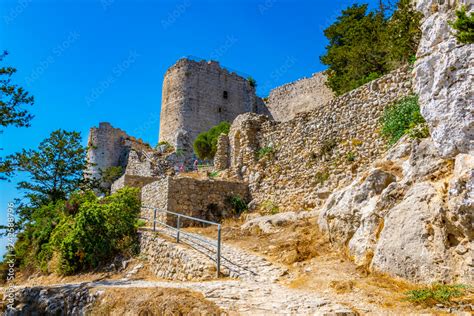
178	224
154	219
218	250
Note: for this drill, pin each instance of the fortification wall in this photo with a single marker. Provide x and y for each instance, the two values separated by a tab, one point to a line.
310	155
197	96
106	148
300	96
205	199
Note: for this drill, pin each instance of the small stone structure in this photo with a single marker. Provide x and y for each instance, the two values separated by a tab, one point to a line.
204	199
172	261
300	96
302	160
199	95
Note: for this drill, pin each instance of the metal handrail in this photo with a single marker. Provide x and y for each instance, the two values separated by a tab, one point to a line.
178	231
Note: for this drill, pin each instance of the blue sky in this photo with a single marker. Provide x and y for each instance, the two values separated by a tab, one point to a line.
88	61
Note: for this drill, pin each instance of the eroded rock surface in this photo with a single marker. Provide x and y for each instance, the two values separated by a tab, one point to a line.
410	215
444	78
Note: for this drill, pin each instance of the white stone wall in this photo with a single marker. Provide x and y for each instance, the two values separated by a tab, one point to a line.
300	173
300	96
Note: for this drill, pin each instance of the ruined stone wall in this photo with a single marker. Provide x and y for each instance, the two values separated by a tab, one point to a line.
197	96
173	261
106	148
300	96
205	199
302	160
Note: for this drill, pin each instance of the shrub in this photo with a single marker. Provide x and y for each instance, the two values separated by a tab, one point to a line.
111	174
419	131
350	156
101	230
269	207
205	144
265	151
436	293
398	119
252	82
464	26
328	146
238	204
213	174
321	176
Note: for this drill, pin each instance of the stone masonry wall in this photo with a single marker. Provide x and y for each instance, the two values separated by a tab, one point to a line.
197	96
106	148
300	96
310	155
205	199
172	261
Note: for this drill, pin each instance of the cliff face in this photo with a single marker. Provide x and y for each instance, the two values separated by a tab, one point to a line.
412	213
444	78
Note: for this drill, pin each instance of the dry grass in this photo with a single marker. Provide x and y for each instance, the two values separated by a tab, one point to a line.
153	301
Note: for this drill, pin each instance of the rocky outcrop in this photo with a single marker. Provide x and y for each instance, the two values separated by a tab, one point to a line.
59	300
444	79
409	215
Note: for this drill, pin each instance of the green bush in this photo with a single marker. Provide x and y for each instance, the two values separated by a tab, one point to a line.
436	293
83	232
101	230
398	119
252	82
205	144
464	26
238	204
265	151
111	174
350	156
269	207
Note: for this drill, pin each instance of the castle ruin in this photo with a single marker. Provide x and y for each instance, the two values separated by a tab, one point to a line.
199	95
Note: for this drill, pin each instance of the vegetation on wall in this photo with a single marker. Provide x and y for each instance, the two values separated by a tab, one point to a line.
399	118
266	151
464	26
205	144
238	204
110	175
252	82
364	45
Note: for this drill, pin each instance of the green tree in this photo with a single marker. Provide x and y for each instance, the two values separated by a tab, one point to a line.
403	34
12	99
364	45
205	144
464	26
54	170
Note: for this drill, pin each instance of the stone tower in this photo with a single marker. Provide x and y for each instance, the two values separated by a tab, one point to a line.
107	148
199	95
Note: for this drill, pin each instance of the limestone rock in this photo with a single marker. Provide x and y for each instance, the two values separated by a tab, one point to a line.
444	81
410	215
